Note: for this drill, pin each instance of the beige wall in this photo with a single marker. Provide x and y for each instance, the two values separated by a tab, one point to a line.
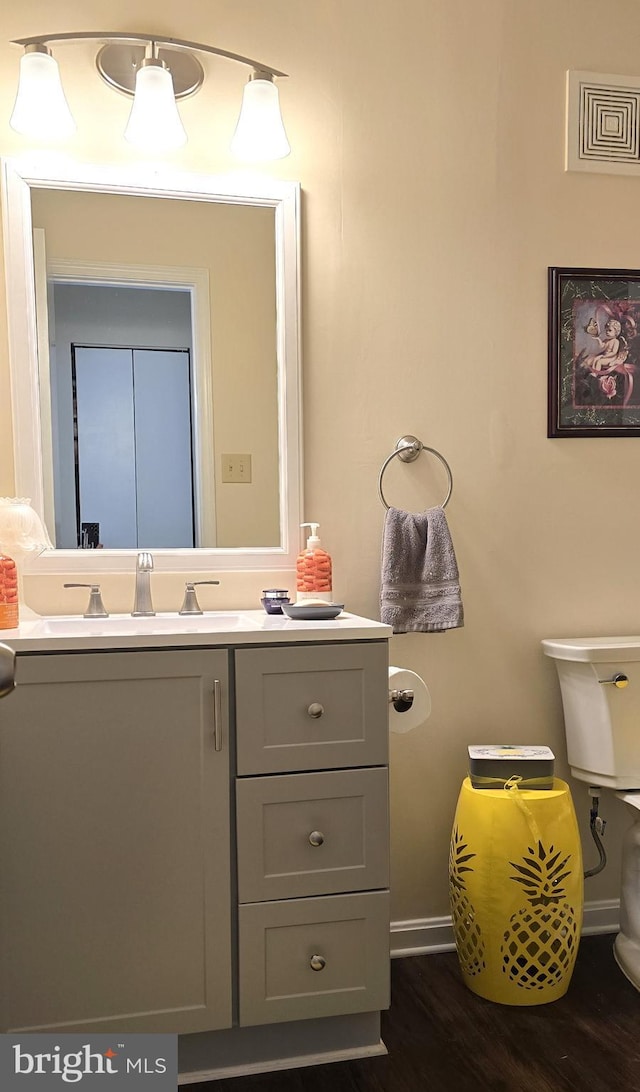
428	137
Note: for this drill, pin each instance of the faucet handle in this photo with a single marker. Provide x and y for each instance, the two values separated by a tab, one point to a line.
95	608
190	604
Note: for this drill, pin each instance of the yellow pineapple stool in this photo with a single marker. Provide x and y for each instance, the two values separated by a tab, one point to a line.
515	887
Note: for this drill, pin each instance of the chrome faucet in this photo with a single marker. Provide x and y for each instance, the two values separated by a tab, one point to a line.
143	607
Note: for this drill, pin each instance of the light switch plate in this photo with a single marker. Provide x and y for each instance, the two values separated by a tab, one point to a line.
236	468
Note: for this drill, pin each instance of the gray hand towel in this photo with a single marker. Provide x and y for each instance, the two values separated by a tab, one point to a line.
420	589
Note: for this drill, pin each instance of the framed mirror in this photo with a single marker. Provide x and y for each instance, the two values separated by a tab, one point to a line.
155	367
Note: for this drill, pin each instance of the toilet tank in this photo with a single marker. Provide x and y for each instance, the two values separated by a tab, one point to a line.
602	720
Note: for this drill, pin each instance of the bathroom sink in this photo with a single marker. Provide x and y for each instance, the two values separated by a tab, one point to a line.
125	625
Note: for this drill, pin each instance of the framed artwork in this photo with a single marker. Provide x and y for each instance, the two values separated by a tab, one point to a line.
594	352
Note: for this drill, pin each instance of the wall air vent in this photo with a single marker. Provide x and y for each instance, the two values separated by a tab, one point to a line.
603	123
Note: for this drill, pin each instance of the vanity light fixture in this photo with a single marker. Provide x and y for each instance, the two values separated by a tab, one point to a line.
41	110
155	72
260	132
154	122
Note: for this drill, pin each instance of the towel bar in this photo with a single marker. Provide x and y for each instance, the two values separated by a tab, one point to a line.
407	449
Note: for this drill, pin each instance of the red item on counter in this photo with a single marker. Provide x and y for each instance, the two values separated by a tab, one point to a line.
8	593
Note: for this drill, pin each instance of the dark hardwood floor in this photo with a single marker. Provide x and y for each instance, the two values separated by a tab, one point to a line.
442	1038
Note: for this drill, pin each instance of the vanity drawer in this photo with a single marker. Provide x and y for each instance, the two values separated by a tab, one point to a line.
345	937
312	707
312	834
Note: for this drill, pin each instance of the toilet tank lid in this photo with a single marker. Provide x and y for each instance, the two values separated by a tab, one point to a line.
593	649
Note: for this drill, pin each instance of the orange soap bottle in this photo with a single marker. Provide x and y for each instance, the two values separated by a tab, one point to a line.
313	570
8	593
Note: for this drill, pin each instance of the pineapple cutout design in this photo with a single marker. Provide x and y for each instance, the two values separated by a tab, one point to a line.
540	943
467	932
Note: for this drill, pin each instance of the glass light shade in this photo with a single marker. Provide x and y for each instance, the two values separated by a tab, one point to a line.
41	110
154	122
22	532
260	131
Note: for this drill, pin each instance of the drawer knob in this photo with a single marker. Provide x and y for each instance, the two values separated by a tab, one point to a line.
316	838
317	963
315	710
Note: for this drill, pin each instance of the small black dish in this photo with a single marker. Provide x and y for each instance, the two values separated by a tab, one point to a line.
273	606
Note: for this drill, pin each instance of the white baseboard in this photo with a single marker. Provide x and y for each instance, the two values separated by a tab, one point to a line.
601	917
276	1065
426	936
421	936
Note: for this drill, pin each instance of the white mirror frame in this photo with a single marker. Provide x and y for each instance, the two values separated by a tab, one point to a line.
17	179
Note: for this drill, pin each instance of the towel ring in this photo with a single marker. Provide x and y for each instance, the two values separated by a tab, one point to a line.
407	449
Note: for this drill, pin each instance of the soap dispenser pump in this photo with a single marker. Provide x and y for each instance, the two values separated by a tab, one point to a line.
313	570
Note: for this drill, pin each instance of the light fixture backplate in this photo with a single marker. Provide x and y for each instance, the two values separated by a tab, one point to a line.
118	63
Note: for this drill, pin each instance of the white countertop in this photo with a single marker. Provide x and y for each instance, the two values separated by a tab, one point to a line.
213	628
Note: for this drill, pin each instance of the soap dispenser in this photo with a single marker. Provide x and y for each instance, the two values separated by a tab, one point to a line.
313	570
8	592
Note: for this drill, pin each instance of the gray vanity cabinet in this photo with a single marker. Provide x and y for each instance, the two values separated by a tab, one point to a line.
312	834
312	707
320	708
115	843
303	958
196	841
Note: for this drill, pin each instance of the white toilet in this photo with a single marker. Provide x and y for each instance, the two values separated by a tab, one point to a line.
600	685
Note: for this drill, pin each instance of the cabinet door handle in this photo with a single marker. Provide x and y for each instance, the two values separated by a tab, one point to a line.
315	710
317	963
217	715
316	838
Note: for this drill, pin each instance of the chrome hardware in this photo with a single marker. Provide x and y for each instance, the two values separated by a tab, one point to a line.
7	670
407	450
316	838
619	680
315	710
217	715
400	695
142	606
276	593
95	608
402	700
190	604
317	963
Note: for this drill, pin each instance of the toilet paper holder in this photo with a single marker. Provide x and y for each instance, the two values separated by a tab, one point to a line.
402	700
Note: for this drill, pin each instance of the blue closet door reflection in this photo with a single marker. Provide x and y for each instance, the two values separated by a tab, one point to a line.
105	447
133	446
162	405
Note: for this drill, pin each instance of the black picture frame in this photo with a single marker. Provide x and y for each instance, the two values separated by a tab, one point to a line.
594	352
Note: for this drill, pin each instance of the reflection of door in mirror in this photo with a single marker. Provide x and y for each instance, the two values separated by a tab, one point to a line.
119	365
95	242
132	425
